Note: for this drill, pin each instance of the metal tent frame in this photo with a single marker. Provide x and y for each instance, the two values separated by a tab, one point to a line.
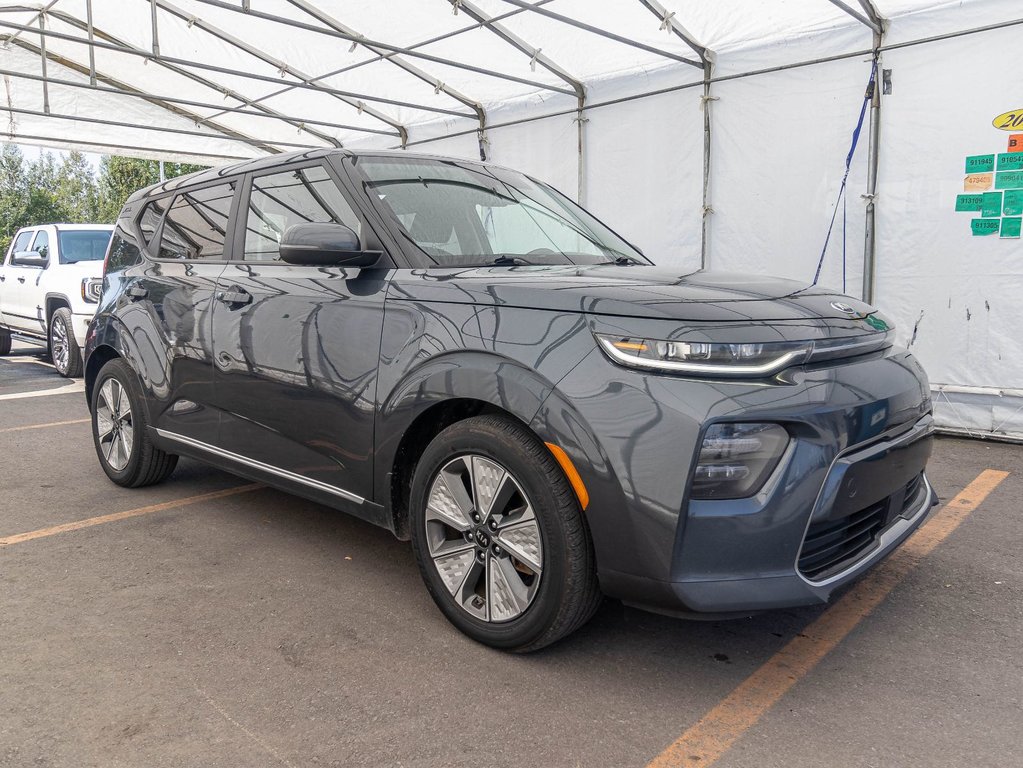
242	87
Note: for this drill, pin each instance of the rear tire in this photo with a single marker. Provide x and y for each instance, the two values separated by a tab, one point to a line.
64	349
120	430
5	342
499	536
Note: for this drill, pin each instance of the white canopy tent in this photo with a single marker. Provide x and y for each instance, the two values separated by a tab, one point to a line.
710	132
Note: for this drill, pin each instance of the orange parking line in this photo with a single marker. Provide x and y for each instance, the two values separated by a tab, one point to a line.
712	736
47	424
20	538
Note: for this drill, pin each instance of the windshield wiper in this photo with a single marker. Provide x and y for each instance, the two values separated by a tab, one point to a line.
507	260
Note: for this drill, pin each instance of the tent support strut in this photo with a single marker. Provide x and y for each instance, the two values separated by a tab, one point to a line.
873	145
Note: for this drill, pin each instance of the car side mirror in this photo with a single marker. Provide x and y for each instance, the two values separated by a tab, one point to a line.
29	259
325	245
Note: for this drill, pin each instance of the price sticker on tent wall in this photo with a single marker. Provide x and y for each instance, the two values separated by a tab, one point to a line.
985	227
1012	204
980	163
1011	227
1009	121
1009	180
991	204
969	202
1010	161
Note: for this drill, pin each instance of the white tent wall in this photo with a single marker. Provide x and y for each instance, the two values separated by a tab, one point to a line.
954	296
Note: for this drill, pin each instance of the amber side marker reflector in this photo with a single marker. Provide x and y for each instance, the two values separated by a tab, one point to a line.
571	473
630	345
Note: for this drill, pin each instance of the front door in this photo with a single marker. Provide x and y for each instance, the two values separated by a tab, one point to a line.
296	347
23	297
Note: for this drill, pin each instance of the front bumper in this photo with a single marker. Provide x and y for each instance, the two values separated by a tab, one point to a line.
80	323
861	436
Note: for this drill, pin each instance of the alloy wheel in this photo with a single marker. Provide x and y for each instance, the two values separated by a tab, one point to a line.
59	345
484	538
114	425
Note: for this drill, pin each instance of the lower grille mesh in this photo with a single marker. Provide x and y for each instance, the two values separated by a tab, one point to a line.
832	544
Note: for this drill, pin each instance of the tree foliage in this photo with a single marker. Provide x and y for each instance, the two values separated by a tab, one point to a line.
65	189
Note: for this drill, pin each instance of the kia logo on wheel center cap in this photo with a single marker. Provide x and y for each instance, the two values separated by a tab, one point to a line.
843	307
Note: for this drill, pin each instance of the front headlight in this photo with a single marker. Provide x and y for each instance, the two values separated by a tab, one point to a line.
92	289
736	459
745	360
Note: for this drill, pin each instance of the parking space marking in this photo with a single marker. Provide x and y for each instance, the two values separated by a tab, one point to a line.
704	743
43	426
41	533
69	389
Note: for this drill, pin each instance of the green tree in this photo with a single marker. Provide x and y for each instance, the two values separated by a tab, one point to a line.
77	190
119	177
13	193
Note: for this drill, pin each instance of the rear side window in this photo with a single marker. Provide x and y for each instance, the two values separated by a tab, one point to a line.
280	200
195	227
124	249
82	245
150	219
42	243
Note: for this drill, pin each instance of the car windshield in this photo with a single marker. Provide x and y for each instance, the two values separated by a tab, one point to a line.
462	214
83	245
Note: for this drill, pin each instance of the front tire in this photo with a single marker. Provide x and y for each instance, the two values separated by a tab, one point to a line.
499	536
64	349
120	430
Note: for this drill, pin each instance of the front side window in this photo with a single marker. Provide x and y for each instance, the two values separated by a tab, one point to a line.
195	227
21	242
461	214
42	244
82	245
280	200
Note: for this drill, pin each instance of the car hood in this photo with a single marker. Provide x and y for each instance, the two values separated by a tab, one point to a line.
629	291
93	268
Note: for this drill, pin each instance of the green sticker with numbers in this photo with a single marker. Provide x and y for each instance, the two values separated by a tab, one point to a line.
1012	204
1011	227
984	227
980	163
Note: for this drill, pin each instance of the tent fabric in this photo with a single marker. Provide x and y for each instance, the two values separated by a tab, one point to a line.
220	80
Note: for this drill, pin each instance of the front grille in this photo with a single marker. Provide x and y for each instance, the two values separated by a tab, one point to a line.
832	545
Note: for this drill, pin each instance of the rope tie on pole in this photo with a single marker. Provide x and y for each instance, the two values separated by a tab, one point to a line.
841	199
666	22
532	60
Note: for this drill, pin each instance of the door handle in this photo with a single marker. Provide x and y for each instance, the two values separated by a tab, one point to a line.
21	279
234	297
137	292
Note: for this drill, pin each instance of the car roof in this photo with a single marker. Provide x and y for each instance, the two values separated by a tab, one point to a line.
103	227
275	161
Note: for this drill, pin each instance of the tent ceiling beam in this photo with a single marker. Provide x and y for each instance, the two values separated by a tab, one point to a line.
258	143
430	80
604	33
289	119
63	142
867	20
284	68
668	18
74	65
382	45
109	38
162	59
382	56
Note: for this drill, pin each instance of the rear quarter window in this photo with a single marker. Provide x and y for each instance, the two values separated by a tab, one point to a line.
124	249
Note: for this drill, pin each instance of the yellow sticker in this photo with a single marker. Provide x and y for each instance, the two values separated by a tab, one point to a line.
1009	121
978	182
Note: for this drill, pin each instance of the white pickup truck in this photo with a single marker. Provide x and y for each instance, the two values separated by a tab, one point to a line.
50	283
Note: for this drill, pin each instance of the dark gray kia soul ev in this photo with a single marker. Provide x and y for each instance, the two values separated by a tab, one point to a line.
460	354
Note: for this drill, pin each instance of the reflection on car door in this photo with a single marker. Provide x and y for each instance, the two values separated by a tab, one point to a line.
167	305
296	347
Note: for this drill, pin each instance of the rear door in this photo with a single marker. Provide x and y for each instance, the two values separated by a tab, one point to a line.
296	347
167	302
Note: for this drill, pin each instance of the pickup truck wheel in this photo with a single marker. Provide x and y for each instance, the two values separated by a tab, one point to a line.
5	342
64	350
499	536
119	430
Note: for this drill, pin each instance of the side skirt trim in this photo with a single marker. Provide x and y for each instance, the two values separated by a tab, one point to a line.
268	468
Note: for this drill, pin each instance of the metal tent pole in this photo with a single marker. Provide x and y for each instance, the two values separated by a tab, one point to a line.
873	159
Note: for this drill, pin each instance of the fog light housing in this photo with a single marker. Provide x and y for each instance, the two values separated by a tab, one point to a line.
736	459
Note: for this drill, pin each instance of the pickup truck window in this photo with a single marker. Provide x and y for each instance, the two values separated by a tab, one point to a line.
21	243
82	245
42	243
